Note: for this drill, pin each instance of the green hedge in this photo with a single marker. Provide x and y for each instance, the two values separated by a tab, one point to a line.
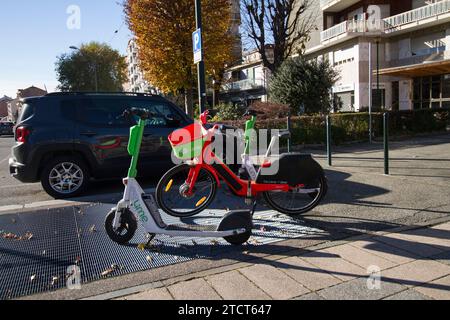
350	127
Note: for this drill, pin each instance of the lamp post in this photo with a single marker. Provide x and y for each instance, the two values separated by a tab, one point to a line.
94	64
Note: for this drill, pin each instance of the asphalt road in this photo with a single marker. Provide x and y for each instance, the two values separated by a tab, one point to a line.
13	192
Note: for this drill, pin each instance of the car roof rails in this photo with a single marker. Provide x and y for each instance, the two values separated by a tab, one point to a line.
80	93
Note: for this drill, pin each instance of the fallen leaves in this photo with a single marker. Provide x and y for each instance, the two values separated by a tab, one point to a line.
55	280
110	270
11	236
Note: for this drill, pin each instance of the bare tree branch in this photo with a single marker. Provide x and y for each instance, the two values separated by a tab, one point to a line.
284	24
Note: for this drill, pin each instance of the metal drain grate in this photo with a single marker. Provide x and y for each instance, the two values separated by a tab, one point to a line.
75	235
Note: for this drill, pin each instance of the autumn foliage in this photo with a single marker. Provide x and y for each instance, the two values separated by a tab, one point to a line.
163	31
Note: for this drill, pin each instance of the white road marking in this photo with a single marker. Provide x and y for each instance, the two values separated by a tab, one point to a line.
4	160
63	203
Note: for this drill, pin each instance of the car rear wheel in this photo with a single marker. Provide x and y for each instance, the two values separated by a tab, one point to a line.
65	177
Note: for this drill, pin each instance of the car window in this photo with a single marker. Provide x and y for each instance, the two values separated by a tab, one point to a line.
27	112
104	112
161	109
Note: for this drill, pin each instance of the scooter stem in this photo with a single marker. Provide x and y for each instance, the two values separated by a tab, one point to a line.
134	146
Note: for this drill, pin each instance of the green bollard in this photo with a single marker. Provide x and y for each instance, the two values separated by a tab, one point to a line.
386	142
330	159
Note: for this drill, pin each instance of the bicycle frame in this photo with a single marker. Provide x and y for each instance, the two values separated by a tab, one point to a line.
243	188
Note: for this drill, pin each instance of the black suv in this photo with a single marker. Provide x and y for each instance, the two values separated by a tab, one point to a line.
66	139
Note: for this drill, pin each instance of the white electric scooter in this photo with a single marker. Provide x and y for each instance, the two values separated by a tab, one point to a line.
122	222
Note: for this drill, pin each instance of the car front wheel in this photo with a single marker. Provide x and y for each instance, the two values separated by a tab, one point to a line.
65	177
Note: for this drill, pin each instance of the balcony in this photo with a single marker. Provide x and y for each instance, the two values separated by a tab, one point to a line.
426	16
435	13
243	85
336	5
352	28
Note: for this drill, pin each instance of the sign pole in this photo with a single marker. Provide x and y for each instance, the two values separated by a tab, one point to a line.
370	92
200	64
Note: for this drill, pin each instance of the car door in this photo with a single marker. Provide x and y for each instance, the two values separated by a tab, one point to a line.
103	130
156	150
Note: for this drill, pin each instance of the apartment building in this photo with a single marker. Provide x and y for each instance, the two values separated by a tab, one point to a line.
410	51
246	82
136	80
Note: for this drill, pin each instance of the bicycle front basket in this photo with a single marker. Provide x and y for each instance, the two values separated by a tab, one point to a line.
187	143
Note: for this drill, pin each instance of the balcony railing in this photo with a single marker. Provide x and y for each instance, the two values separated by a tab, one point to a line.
353	26
324	3
243	85
387	25
418	14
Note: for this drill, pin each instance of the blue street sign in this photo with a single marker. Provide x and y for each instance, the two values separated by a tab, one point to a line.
197	44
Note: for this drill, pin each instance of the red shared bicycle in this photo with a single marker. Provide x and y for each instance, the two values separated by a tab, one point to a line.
296	186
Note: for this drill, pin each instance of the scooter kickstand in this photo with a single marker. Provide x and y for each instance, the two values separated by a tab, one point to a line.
150	239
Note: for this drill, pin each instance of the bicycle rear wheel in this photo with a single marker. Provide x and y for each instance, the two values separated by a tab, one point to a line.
298	200
171	191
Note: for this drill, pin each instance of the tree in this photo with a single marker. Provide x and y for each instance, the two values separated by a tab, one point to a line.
92	67
286	24
163	31
304	85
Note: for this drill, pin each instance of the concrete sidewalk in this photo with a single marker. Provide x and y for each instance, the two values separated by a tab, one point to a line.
410	264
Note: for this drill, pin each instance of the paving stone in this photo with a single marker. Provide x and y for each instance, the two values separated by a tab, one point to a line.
307	274
443	257
385	251
309	296
409	294
434	237
438	289
360	257
417	272
409	244
197	289
444	226
274	282
358	289
153	294
334	265
234	286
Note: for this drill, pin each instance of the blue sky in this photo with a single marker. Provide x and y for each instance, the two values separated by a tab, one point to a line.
34	32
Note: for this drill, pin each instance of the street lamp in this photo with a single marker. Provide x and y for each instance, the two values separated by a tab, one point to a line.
94	64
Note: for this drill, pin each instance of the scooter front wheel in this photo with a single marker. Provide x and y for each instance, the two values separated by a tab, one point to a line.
126	230
172	196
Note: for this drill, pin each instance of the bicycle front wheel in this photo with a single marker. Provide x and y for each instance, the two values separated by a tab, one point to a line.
298	200
172	195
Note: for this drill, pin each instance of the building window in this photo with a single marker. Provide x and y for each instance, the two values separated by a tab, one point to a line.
378	98
431	92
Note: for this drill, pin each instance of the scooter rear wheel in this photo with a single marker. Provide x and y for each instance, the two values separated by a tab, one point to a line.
127	229
237	220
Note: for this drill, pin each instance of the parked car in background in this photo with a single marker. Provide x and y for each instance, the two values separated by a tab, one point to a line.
6	128
64	140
